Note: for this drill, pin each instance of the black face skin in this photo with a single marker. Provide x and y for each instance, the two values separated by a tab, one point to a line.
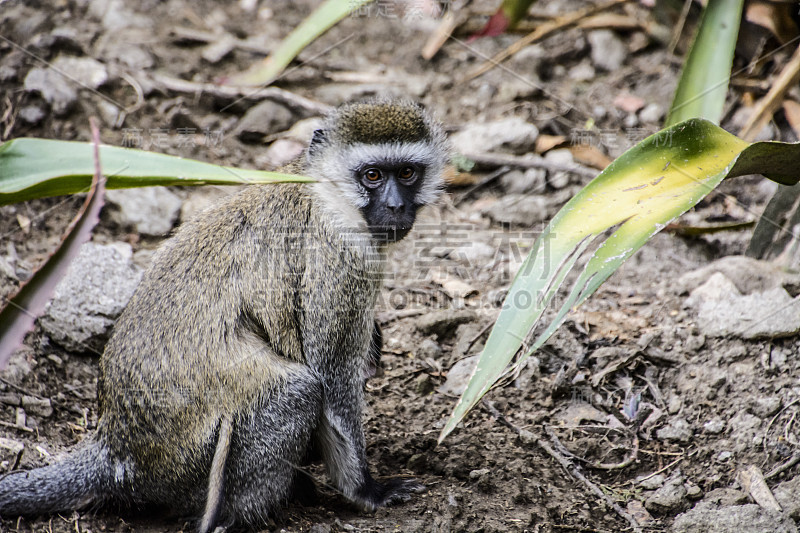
392	188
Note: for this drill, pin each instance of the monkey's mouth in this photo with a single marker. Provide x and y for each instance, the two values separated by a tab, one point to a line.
390	233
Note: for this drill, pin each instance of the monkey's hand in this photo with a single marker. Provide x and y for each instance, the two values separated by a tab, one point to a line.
374	494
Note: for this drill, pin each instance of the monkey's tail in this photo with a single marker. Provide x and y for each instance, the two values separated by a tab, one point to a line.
82	478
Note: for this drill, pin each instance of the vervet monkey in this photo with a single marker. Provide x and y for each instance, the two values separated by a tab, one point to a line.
245	346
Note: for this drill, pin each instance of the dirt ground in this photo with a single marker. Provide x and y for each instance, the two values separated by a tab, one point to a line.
715	404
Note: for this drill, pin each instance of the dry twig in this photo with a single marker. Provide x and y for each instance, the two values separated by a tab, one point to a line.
228	91
499	160
540	33
767	106
565	464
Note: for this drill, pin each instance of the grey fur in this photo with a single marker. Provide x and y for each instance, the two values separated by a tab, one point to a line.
257	316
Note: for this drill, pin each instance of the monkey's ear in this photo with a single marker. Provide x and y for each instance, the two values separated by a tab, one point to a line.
317	140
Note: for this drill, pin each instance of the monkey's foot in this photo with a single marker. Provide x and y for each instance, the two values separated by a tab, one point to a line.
394	490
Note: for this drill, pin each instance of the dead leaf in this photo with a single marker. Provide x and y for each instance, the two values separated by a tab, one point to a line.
459	179
577	413
453	286
752	480
589	155
791	110
24	223
775	17
639	513
546	142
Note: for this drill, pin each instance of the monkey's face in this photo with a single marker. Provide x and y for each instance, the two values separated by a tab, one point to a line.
391	190
385	158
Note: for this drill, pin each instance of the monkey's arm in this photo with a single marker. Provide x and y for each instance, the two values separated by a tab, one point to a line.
338	331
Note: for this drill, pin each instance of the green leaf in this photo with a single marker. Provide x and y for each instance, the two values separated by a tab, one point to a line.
321	20
34	168
641	192
706	73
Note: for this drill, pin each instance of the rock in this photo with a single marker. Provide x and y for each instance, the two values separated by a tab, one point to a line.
266	118
96	289
608	50
19	365
524	181
715	426
424	385
465	333
518	210
280	152
735	519
748	274
11	445
428	349
669	497
458	376
478	473
652	482
151	210
676	430
54	88
765	407
788	495
114	15
724	497
529	373
652	113
87	71
674	405
127	53
745	430
444	323
583	71
513	88
31	114
475	253
724	456
511	134
563	157
37	406
631	121
723	311
693	492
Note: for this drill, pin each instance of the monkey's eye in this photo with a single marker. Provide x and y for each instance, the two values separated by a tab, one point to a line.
407	173
371	175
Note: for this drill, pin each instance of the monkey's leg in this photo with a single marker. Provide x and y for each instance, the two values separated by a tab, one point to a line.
341	440
268	446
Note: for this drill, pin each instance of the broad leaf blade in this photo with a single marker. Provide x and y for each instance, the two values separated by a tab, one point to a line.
34	168
321	20
706	73
643	190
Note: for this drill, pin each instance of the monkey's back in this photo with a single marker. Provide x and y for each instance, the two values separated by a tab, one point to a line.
188	350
